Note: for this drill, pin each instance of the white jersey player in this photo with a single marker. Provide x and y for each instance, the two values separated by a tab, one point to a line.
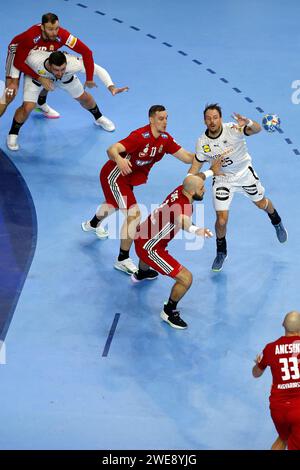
60	68
237	175
37	60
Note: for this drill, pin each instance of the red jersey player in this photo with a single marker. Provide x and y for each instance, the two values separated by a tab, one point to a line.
47	36
283	357
152	239
131	160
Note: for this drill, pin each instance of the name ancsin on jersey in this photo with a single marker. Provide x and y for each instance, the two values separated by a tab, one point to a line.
293	348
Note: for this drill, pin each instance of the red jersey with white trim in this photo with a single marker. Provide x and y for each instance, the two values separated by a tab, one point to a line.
143	150
283	357
161	227
32	39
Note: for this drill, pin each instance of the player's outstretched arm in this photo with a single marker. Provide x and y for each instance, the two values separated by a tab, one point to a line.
250	127
196	166
184	156
186	224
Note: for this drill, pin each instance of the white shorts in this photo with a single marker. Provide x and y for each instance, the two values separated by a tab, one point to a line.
10	69
224	188
32	88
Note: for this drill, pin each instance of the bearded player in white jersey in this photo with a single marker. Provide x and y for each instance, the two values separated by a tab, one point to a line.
61	69
228	140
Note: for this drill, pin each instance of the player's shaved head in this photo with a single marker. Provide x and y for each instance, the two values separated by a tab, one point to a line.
194	186
291	322
193	183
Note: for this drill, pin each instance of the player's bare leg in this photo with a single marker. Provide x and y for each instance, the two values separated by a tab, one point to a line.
170	314
21	115
87	102
266	205
221	228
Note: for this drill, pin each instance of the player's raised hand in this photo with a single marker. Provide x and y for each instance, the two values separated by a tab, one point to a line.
115	90
204	232
240	120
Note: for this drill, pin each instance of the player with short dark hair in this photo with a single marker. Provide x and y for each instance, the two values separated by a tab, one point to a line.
228	140
47	36
60	68
283	358
131	160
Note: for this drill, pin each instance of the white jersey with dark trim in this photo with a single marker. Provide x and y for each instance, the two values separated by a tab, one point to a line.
231	144
36	61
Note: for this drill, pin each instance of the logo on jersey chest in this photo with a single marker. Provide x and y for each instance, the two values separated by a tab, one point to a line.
36	39
206	148
145	152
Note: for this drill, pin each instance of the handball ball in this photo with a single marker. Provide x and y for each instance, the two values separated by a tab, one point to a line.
271	122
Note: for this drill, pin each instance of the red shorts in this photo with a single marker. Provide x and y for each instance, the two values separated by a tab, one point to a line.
117	190
286	418
158	259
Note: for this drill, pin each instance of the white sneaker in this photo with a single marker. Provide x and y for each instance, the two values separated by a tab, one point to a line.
99	231
48	112
105	123
12	142
127	266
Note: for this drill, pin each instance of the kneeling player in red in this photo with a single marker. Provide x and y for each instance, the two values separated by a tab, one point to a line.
153	236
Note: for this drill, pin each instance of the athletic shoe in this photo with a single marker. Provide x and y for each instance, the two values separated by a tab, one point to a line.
148	275
99	231
105	123
281	233
48	112
127	266
12	142
173	319
218	261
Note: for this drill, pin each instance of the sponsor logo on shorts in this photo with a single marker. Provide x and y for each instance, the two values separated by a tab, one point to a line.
206	148
222	193
71	41
251	190
146	135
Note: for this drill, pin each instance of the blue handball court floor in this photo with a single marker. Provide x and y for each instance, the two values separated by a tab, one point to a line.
86	362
